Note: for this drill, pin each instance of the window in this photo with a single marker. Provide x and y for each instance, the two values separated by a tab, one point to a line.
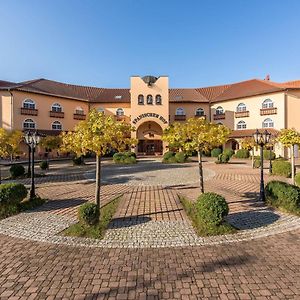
56	125
268	123
149	99
219	123
29	124
180	112
178	97
79	111
241	107
100	110
158	99
118	97
120	112
199	112
141	99
219	110
29	104
241	125
56	107
268	103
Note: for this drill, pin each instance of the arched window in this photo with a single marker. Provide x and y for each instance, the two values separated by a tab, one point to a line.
241	107
56	107
120	112
79	110
219	110
158	99
56	125
219	123
199	112
100	110
268	103
180	112
149	99
141	99
268	123
241	125
29	124
29	104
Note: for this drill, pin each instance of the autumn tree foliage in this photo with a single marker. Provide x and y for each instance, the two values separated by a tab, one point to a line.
10	142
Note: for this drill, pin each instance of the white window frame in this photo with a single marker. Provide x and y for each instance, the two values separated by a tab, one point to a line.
201	110
100	110
241	107
158	96
29	121
267	103
269	122
241	125
180	111
79	110
120	112
29	102
56	123
56	107
220	110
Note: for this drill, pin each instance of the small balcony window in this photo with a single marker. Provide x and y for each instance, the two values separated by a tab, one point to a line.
268	103
29	124
241	125
56	125
56	107
29	104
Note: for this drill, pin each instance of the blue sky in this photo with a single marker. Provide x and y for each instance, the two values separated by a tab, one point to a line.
196	43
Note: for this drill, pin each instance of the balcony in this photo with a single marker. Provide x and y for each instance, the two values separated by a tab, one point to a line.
79	116
29	111
219	116
56	114
180	117
120	118
268	111
201	116
241	114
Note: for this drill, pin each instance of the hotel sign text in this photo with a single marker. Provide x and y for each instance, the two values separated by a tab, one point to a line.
150	115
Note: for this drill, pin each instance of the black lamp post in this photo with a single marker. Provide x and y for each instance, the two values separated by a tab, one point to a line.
29	162
261	139
32	139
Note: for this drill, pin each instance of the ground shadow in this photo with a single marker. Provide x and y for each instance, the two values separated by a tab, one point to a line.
128	221
252	219
59	204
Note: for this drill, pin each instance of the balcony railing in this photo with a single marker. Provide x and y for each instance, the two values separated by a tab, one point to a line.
219	116
57	114
242	114
201	116
120	118
79	116
180	117
29	111
268	111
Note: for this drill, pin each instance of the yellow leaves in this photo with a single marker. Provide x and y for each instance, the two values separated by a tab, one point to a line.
10	142
289	137
248	143
97	134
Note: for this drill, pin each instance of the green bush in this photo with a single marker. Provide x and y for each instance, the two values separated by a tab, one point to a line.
283	195
267	155
242	153
12	193
215	152
88	214
168	155
211	208
257	163
129	160
223	158
44	165
16	171
78	160
124	158
228	152
180	157
297	179
281	168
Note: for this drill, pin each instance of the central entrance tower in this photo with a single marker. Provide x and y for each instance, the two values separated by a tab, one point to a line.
149	98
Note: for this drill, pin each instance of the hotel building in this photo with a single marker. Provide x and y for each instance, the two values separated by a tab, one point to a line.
150	106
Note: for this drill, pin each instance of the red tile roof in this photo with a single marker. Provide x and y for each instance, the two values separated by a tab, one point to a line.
184	95
249	132
212	92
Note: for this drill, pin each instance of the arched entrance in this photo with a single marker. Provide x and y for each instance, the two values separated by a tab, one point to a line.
149	138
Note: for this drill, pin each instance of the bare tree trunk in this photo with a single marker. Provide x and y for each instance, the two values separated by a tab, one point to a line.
98	180
200	171
293	164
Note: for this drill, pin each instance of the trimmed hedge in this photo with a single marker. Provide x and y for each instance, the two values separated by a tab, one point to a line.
211	208
180	157
88	214
242	153
12	193
283	195
282	168
223	158
16	171
266	154
215	152
172	157
228	152
124	158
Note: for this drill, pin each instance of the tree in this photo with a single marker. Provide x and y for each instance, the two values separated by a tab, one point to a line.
51	142
122	137
248	143
10	142
97	134
173	135
197	135
290	138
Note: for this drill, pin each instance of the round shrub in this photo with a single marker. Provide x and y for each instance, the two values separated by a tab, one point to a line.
297	179
129	160
44	165
223	158
12	193
228	152
78	160
211	208
168	155
16	171
267	155
242	153
180	157
281	168
88	213
124	158
215	152
117	157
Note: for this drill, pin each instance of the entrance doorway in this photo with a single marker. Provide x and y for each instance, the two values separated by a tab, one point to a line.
150	147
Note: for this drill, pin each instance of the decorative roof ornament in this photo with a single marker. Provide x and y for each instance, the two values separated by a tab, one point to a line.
149	80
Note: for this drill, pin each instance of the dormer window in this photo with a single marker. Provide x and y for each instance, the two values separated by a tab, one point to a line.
178	97
149	99
118	97
141	99
29	104
158	99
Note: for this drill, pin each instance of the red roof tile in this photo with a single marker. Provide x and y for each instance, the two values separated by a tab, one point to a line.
249	132
186	95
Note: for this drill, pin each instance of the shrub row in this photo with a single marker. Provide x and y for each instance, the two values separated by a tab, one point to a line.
124	158
174	157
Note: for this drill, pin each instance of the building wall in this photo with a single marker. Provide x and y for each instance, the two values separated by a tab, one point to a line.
43	105
253	104
111	108
6	110
293	105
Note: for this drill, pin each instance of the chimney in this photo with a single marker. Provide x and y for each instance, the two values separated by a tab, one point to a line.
267	77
